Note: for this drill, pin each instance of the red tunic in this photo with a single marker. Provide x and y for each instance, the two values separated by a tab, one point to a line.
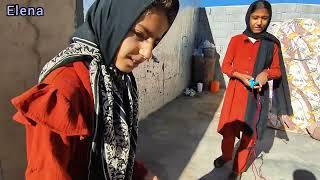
57	116
240	57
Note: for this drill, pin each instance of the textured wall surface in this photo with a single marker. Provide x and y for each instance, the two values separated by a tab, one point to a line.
227	21
29	42
26	44
159	83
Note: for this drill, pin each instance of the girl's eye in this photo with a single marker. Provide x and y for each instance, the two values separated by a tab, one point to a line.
139	35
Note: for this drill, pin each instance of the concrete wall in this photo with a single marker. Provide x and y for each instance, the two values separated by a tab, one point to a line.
204	33
227	21
29	42
159	83
26	44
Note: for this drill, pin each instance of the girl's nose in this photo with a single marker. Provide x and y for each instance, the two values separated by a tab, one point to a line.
146	50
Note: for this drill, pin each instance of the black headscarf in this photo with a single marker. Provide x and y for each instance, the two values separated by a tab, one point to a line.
108	22
281	102
115	93
264	34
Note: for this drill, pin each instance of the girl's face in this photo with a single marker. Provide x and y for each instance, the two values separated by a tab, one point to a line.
137	46
259	20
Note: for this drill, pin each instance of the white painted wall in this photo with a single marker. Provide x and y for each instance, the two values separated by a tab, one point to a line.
159	83
227	21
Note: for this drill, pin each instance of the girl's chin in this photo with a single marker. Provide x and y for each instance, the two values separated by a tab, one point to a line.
258	30
127	66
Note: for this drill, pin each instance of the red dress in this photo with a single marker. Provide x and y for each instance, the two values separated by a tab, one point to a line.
240	57
57	116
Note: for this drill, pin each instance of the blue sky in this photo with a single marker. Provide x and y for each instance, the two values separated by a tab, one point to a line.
207	3
87	3
194	3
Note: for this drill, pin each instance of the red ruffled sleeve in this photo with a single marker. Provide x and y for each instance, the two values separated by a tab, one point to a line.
57	114
45	105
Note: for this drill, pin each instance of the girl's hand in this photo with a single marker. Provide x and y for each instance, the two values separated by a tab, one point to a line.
262	78
150	176
243	77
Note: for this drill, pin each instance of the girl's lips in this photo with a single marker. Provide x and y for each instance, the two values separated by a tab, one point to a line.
133	63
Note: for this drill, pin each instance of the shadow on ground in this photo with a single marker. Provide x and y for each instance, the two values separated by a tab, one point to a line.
302	174
264	146
169	137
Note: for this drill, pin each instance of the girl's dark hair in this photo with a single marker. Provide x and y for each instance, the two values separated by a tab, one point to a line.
171	8
262	4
